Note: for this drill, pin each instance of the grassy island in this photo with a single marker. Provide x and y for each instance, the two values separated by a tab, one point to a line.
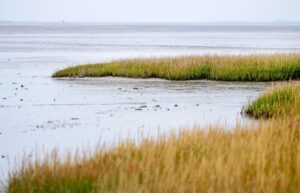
283	101
260	158
227	68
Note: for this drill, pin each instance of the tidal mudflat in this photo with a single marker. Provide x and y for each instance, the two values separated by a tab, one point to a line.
72	113
39	113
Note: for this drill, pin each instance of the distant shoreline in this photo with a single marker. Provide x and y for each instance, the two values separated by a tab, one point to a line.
217	23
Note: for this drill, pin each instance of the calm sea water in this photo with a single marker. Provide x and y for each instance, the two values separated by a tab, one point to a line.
83	40
39	113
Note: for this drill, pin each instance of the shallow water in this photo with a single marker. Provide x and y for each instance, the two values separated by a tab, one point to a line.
38	113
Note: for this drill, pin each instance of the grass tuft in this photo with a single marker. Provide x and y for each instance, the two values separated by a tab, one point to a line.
261	158
227	68
283	101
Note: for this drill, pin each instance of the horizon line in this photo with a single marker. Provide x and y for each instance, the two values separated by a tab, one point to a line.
246	23
78	21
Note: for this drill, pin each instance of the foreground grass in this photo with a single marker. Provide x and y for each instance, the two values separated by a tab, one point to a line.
283	101
229	68
262	158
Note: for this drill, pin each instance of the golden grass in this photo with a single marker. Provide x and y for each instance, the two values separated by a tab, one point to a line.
282	101
259	158
228	68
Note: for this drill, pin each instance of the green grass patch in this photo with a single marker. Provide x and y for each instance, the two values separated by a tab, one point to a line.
281	101
227	68
260	158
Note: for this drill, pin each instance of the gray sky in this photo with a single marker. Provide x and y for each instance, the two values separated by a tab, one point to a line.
150	10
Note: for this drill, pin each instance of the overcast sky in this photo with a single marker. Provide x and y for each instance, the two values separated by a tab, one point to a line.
150	10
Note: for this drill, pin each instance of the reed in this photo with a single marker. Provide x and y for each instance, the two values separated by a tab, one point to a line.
227	68
282	101
260	158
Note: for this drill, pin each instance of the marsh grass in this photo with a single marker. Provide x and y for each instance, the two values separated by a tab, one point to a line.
227	68
282	101
260	158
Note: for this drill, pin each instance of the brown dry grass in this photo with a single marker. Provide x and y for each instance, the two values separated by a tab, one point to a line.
259	158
